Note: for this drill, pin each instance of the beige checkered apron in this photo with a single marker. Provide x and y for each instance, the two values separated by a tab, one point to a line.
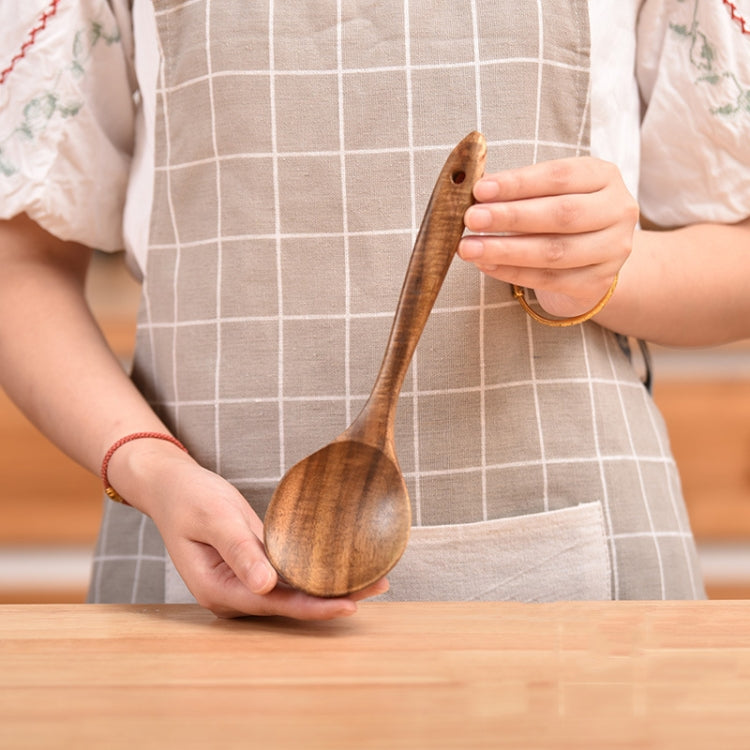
297	144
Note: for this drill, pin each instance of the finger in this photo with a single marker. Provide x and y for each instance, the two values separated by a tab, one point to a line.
576	290
289	602
552	251
546	178
243	552
286	601
282	601
375	589
575	213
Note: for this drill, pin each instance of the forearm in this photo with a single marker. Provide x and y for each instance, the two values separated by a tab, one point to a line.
685	287
56	364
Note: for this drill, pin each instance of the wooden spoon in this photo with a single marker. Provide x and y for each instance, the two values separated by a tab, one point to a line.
339	519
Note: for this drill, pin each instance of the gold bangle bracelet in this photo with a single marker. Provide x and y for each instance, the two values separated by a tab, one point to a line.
518	293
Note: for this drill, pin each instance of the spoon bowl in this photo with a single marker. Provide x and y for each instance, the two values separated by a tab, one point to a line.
339	519
344	546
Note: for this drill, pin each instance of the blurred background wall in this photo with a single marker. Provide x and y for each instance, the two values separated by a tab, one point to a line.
50	508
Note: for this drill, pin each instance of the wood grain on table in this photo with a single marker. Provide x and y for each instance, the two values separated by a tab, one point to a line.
406	675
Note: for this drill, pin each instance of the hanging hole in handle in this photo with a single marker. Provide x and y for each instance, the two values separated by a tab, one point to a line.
458	177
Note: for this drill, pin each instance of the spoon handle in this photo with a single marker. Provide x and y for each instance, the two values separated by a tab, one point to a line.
435	246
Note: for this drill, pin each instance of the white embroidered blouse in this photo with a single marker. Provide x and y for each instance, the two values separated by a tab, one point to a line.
670	105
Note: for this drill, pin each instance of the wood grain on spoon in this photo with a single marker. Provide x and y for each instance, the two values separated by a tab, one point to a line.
339	519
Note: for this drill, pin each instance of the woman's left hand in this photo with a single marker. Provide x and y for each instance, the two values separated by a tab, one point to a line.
563	228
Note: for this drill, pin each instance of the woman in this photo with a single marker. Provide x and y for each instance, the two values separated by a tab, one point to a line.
265	165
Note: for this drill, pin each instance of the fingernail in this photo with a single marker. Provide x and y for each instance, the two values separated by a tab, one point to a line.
478	218
470	248
485	190
383	586
380	587
260	575
346	609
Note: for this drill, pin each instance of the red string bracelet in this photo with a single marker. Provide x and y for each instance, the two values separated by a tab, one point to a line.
108	489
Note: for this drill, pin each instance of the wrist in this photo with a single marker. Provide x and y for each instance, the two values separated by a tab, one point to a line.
134	465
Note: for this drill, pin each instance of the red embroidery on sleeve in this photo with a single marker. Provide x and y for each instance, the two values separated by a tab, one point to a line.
737	17
40	26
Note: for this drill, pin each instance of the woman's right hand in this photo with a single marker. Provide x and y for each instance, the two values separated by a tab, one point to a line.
213	536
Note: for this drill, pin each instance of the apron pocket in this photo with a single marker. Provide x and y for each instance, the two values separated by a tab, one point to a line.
551	556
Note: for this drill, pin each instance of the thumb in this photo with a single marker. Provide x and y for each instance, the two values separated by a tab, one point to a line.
245	554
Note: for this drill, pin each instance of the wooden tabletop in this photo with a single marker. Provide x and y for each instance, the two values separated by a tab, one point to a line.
438	675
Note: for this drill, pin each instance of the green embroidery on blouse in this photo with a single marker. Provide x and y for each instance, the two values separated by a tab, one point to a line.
43	107
703	57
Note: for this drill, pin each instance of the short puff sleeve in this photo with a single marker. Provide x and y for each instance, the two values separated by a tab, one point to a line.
693	69
66	117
